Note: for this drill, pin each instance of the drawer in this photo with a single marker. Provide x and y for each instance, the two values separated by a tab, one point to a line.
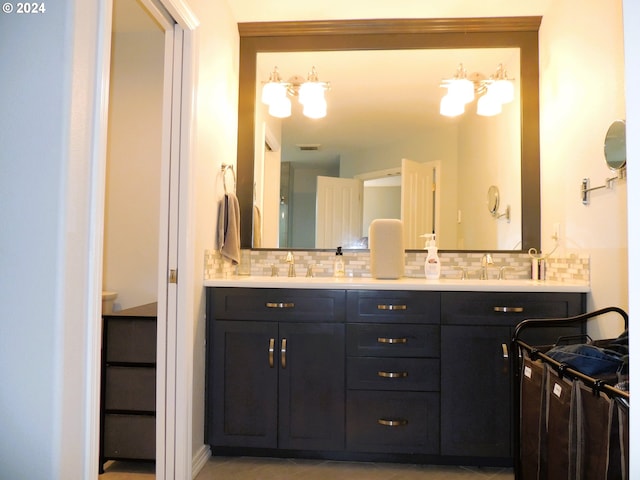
130	340
507	309
130	437
393	422
279	304
393	306
385	340
417	374
130	388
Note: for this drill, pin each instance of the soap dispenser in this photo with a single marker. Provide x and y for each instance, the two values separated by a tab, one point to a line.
432	262
338	264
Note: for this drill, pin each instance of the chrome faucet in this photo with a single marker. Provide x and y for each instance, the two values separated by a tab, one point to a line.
292	264
487	260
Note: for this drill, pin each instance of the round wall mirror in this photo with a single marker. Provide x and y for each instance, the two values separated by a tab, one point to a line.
493	200
615	145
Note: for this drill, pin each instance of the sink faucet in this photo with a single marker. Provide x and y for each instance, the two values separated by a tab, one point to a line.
292	264
487	260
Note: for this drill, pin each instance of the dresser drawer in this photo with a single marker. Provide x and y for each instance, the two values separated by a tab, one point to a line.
130	340
130	436
130	388
279	304
401	340
416	374
393	306
393	422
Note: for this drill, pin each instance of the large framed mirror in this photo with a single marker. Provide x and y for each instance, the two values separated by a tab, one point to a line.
513	40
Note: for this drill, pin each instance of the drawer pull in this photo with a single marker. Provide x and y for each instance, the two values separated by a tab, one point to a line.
272	345
393	423
505	351
508	309
283	353
393	374
392	340
392	307
279	304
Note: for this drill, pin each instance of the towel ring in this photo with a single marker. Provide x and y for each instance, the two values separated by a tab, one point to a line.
225	167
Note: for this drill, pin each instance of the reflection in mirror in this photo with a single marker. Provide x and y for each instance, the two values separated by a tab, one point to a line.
397	116
493	200
476	153
615	146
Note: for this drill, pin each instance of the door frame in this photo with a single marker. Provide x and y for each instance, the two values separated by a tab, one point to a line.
174	358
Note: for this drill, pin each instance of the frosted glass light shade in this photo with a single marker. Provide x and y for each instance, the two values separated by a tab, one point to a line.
310	92
451	106
271	91
503	89
489	104
280	108
462	89
315	109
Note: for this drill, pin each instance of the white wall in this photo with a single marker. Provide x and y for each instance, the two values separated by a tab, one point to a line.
132	203
632	74
50	328
215	143
581	93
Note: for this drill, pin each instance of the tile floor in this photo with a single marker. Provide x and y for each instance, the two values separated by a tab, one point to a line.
252	468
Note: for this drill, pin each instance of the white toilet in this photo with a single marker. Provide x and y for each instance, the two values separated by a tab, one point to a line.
107	301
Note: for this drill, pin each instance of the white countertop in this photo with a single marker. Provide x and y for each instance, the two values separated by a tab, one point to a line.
364	283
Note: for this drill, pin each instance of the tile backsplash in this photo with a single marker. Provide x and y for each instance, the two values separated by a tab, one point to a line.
574	268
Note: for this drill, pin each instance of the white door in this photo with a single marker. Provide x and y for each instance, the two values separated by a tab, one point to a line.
338	211
419	201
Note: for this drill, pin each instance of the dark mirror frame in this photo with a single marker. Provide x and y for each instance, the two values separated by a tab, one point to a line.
494	32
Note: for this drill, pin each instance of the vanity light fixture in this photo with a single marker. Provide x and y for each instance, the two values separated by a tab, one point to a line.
494	92
310	93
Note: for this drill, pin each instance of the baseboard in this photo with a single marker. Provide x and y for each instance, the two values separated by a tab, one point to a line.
200	459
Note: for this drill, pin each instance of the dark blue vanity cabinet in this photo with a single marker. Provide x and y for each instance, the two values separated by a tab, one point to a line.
419	376
277	369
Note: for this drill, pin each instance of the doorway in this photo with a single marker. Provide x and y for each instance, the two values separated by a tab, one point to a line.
162	139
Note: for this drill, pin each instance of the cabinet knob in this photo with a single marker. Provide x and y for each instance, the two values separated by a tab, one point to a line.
392	340
283	353
393	374
392	307
400	422
272	345
508	309
279	304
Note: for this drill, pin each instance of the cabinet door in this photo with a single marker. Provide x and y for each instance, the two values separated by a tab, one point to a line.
245	384
312	386
475	392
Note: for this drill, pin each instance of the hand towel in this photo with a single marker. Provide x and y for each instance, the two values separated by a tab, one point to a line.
257	227
231	238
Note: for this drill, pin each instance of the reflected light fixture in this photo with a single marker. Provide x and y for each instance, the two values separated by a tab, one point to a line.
494	92
310	93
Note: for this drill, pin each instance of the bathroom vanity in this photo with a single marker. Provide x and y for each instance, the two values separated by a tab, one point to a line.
401	370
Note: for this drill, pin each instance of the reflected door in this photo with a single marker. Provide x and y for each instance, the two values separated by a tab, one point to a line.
338	212
418	203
